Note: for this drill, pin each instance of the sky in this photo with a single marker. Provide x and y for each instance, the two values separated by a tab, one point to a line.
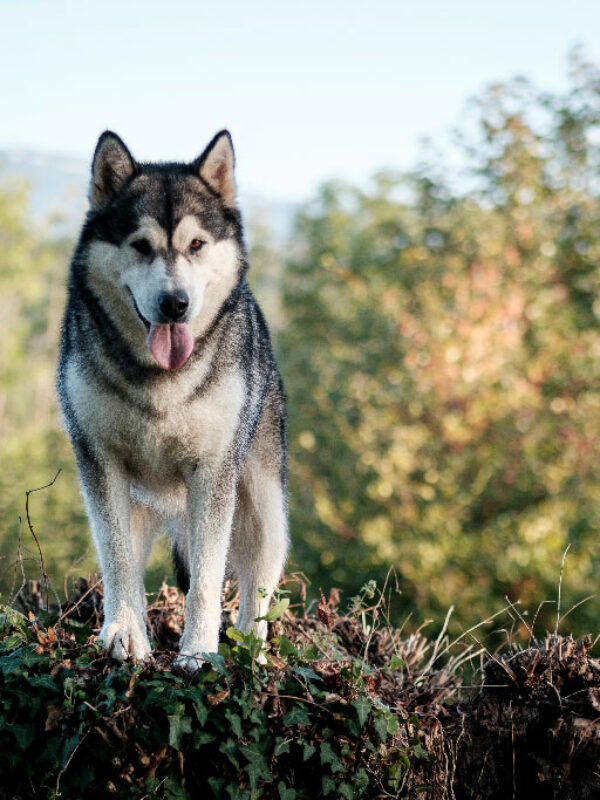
309	90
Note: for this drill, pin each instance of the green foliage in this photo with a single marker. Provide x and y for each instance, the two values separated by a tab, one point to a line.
442	361
32	292
75	725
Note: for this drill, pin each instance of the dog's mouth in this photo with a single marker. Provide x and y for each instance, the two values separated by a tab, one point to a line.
137	311
171	344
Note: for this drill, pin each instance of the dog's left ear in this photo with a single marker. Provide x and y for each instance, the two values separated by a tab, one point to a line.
216	165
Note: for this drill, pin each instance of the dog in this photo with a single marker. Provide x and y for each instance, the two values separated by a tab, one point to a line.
171	395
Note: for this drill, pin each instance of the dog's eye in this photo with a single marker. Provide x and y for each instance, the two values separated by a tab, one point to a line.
143	247
196	244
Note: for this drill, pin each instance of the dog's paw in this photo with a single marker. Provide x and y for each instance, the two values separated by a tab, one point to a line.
125	638
189	663
192	650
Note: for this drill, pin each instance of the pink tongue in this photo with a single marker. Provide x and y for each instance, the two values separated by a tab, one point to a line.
170	345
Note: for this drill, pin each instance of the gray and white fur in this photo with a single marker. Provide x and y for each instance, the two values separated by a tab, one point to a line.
171	395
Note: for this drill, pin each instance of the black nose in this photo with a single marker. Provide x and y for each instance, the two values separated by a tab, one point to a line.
174	305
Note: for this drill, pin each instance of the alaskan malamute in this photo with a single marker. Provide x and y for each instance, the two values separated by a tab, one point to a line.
171	395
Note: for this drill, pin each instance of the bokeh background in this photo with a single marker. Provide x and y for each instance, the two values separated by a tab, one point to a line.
421	189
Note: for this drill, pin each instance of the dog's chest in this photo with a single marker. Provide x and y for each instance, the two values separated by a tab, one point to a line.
158	435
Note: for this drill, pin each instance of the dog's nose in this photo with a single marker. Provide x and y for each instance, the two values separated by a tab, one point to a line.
173	305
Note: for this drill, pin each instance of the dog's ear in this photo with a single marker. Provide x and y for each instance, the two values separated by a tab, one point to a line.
112	168
215	166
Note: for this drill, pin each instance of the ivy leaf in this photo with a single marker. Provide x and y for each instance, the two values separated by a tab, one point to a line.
297	716
363	709
307	673
10	617
12	662
236	792
69	746
421	753
230	750
43	682
396	662
329	757
24	734
277	610
361	781
202	737
311	652
393	726
235	722
12	641
286	648
30	658
308	751
233	633
216	784
286	792
380	723
174	790
201	712
281	746
256	767
217	662
178	725
346	791
224	650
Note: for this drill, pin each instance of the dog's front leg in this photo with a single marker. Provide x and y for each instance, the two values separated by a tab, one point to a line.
106	494
211	502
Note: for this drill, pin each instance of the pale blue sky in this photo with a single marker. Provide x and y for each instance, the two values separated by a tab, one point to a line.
309	90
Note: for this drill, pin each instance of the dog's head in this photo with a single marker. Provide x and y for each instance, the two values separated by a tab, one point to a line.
163	243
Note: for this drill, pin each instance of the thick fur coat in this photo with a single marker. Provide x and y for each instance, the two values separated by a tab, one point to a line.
171	395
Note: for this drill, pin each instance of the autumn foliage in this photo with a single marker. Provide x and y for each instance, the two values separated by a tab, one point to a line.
442	357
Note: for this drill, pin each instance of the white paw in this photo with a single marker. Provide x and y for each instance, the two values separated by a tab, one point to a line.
191	652
126	637
189	663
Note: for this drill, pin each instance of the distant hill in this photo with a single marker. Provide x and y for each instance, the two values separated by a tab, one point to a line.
58	194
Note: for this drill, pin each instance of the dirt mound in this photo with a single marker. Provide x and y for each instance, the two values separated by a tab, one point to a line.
347	707
533	728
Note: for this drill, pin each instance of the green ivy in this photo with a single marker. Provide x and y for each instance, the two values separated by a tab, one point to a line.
74	724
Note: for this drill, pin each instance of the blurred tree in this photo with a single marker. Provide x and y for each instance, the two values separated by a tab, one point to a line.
442	359
32	444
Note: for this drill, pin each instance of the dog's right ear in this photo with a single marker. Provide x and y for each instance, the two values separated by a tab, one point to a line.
112	167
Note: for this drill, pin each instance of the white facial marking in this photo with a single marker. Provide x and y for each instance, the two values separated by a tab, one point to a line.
187	230
207	275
